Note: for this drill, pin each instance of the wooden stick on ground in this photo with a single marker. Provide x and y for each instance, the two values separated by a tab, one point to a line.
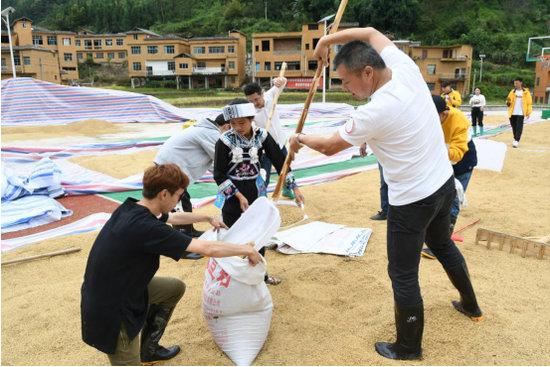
275	99
35	257
467	226
309	99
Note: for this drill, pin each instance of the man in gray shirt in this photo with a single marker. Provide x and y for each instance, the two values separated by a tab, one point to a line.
192	150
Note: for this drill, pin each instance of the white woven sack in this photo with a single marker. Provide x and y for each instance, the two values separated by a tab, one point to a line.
236	302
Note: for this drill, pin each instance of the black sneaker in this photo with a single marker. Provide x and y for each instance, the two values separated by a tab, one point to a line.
427	253
380	216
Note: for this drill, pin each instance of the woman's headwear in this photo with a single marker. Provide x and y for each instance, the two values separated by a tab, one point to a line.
238	110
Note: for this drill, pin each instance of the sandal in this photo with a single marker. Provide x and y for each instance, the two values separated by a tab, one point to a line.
271	280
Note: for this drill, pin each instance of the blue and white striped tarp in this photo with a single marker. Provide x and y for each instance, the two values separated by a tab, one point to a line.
28	101
27	195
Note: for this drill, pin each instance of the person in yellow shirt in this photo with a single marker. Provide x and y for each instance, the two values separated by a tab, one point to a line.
451	96
520	106
462	154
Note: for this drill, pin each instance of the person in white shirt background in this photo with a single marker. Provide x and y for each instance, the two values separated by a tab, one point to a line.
402	127
477	102
263	102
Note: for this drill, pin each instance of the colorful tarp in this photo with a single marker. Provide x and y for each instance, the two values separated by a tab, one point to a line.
28	101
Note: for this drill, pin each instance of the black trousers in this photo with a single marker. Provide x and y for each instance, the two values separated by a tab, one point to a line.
186	202
477	116
409	226
517	126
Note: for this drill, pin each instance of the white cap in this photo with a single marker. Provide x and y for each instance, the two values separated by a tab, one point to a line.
239	110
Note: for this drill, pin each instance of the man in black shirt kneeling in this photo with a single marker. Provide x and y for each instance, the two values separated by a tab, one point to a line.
120	295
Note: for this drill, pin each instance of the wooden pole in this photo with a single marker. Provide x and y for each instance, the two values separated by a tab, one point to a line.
275	99
49	254
467	226
309	99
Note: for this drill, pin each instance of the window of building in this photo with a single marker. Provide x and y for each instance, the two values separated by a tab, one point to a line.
152	49
278	65
424	54
136	66
136	37
37	40
108	42
313	27
16	60
24	24
172	65
3	63
267	66
315	41
257	66
79	55
447	54
119	41
265	45
292	65
201	64
312	65
169	49
257	48
99	55
184	65
97	43
68	57
231	49
90	56
233	79
26	60
431	69
199	50
77	43
216	49
537	82
136	50
431	86
231	64
66	41
307	46
52	40
111	55
87	44
122	55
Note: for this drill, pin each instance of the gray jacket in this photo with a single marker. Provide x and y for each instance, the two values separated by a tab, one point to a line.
191	149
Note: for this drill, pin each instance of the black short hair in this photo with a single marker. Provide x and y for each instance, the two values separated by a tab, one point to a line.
220	121
238	101
355	55
518	79
252	88
445	84
477	88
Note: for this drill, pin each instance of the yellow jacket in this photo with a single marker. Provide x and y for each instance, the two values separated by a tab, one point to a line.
453	99
527	102
455	129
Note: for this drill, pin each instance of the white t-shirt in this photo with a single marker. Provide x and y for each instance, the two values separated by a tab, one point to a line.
402	127
276	130
518	106
477	100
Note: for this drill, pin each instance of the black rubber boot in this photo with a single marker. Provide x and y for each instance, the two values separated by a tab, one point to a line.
409	322
460	278
155	323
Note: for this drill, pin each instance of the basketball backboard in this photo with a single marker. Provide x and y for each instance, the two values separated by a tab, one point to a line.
537	47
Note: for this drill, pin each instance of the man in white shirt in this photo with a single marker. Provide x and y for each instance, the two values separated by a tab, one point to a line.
263	103
402	127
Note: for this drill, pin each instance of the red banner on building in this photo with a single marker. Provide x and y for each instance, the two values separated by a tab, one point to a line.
303	83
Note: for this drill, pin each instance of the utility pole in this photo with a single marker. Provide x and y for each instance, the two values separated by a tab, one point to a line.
481	57
265	9
6	18
324	21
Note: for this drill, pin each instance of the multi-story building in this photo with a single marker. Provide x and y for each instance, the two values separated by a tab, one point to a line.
270	50
199	62
101	48
40	53
542	82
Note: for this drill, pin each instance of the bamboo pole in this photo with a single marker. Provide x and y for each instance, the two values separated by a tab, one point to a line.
35	257
309	99
275	100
